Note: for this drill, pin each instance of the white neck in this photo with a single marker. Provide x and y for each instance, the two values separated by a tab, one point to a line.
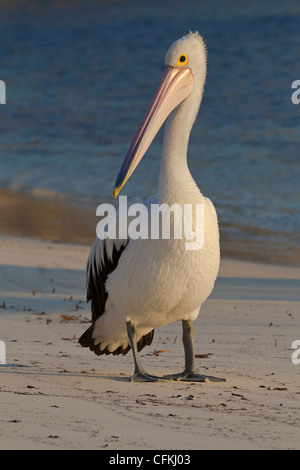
176	183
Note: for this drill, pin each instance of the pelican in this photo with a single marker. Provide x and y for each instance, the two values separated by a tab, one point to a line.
137	285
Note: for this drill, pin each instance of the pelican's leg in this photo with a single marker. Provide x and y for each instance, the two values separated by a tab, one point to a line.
189	373
139	373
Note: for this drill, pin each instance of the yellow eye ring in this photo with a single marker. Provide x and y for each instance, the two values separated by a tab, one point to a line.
182	60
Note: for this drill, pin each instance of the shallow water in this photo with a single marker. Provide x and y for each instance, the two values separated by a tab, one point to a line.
80	76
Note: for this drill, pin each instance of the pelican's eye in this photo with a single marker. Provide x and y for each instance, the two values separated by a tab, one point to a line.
182	60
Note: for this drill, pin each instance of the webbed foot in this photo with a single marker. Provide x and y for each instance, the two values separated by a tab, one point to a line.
192	376
143	377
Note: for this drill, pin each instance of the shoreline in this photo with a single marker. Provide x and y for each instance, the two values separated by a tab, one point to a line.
47	217
58	395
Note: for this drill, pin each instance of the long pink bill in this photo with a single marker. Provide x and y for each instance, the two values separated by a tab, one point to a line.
176	86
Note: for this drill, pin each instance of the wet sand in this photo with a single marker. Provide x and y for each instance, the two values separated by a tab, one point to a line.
57	395
46	217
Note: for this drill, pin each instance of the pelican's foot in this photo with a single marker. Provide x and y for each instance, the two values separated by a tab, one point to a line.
193	376
143	377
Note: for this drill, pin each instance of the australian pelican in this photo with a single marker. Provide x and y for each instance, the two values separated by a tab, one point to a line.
138	285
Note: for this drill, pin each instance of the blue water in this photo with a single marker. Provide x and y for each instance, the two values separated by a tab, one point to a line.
80	75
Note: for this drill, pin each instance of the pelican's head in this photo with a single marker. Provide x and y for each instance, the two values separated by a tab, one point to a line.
184	77
189	52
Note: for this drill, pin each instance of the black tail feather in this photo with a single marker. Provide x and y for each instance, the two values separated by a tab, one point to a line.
87	341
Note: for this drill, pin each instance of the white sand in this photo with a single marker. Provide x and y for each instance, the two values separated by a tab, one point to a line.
54	394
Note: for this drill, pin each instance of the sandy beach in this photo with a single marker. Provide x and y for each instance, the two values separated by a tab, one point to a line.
56	395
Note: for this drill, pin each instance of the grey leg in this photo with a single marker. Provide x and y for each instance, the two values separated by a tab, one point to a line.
139	373
189	373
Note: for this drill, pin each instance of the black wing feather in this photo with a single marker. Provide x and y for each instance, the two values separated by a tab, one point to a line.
96	293
96	279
